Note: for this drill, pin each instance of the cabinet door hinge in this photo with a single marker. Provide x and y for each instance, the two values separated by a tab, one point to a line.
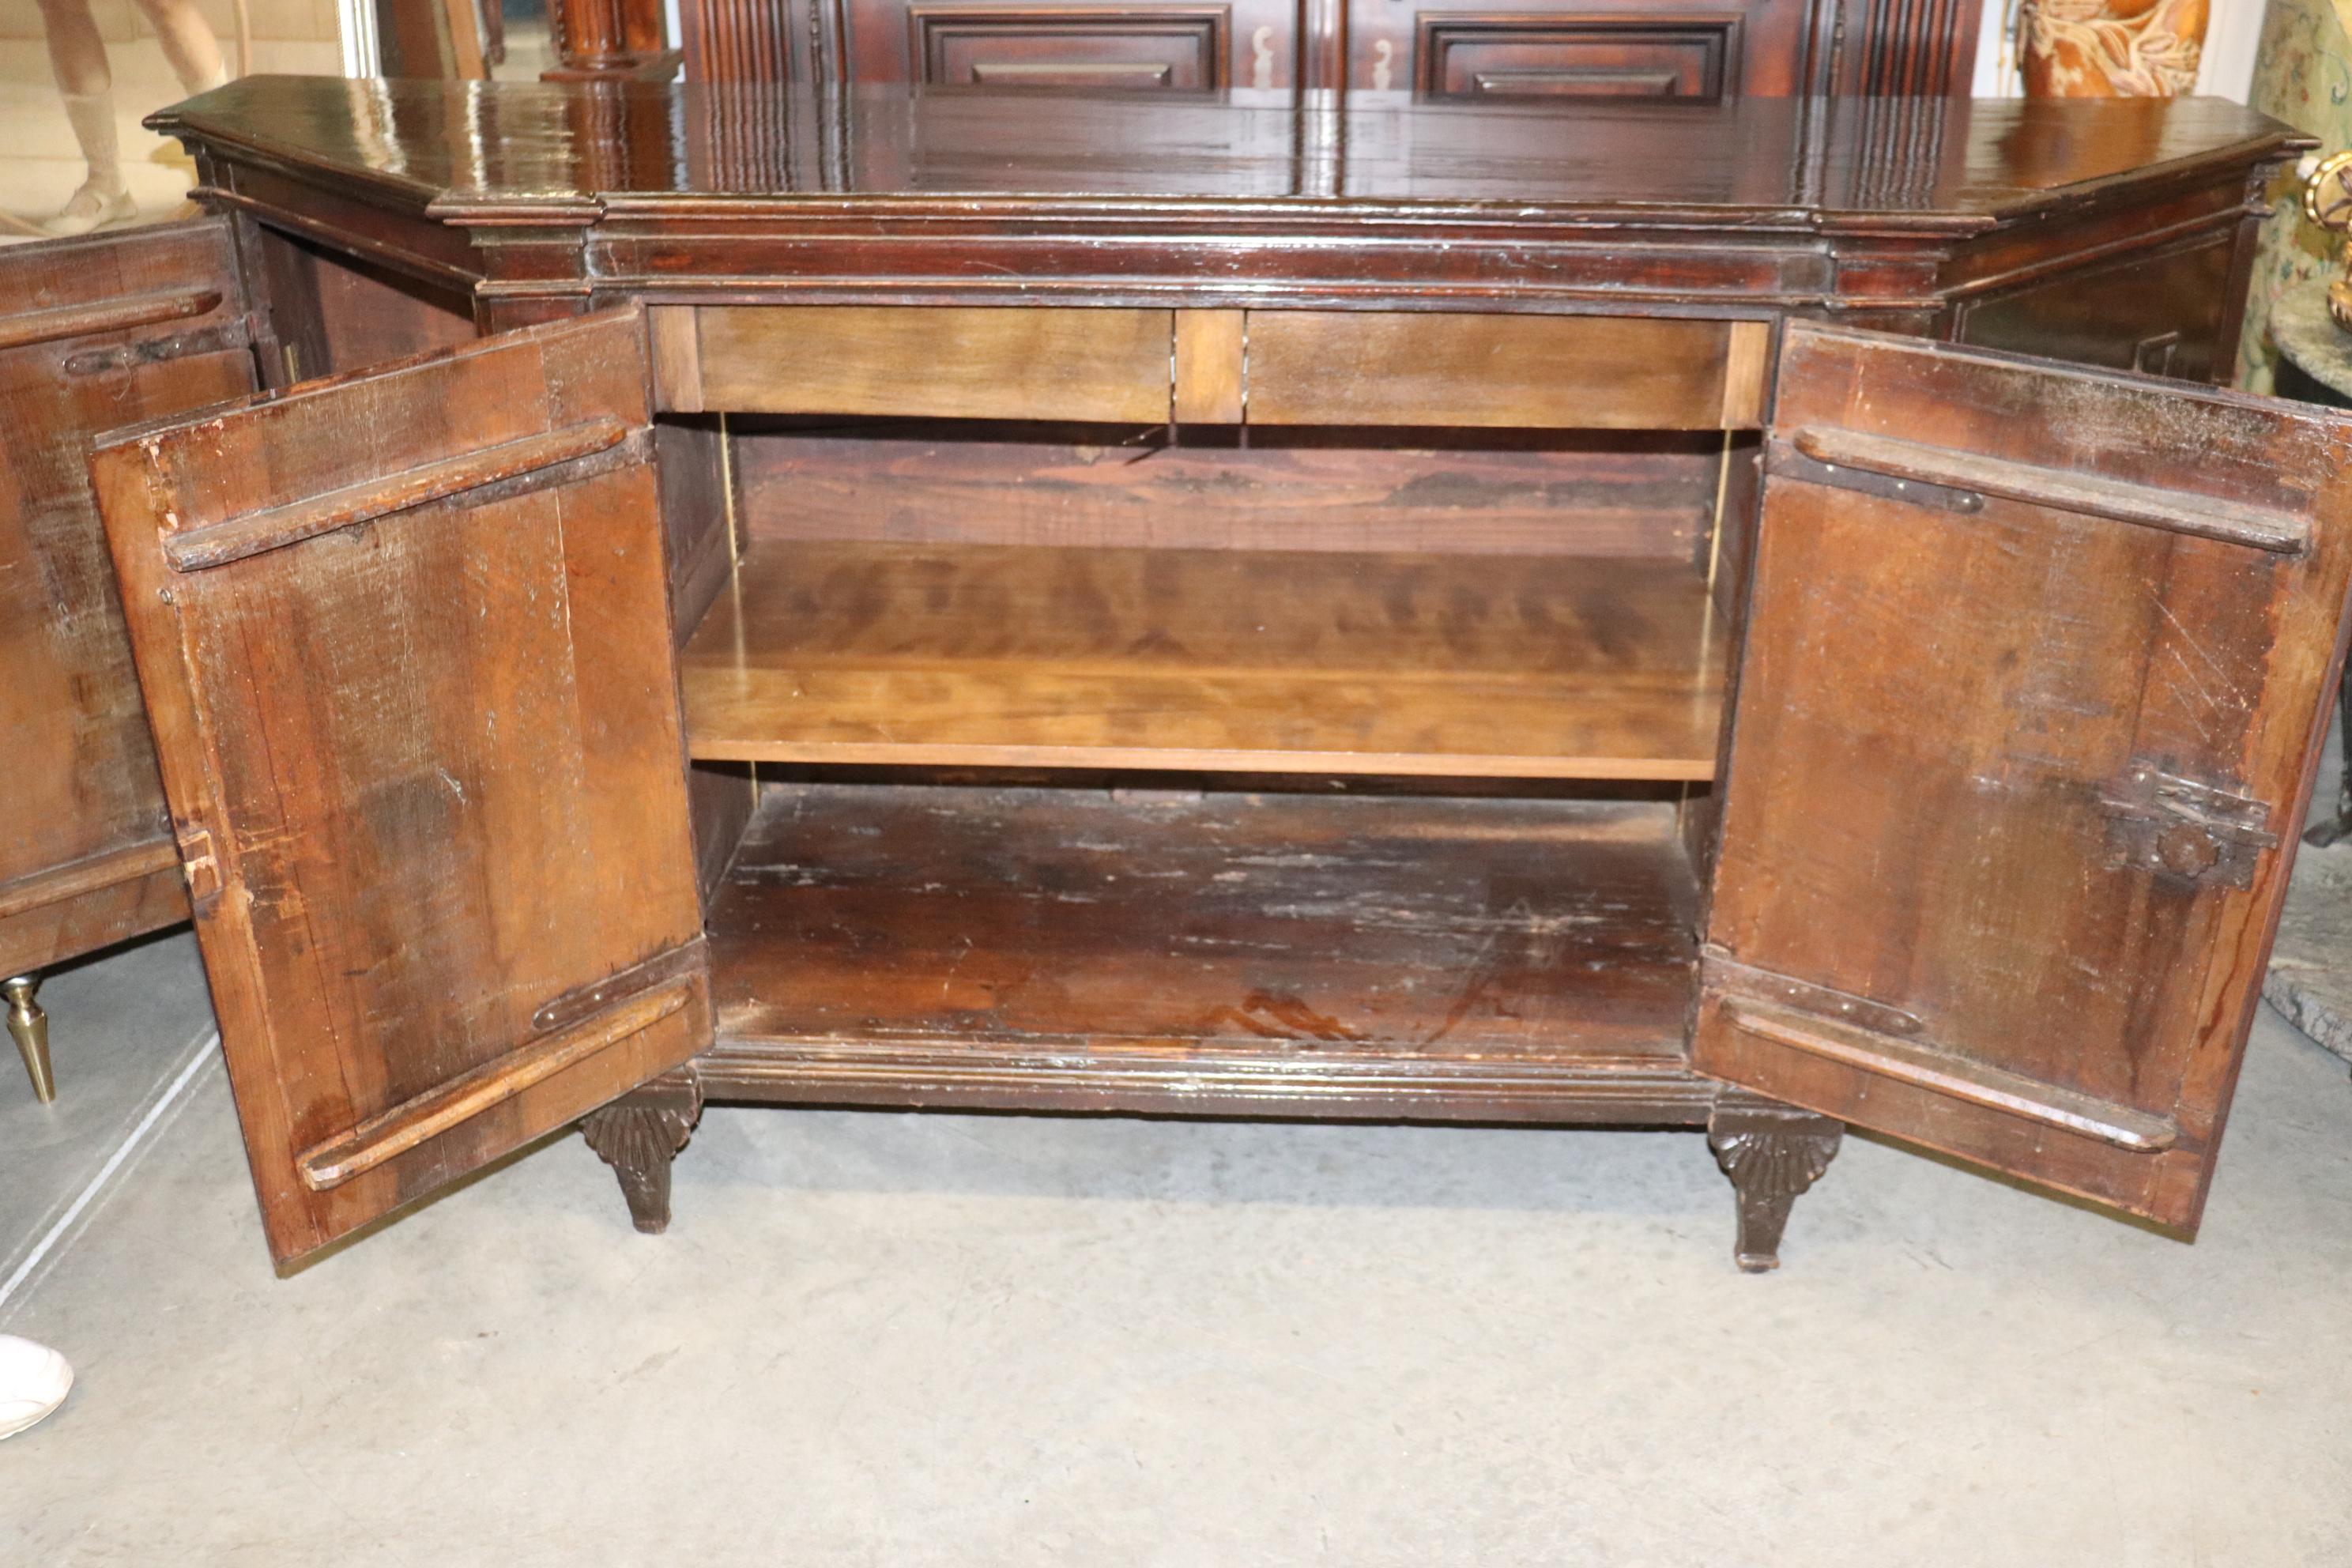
2180	828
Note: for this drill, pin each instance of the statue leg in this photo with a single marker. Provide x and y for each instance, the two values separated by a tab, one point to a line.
639	1134
1771	1152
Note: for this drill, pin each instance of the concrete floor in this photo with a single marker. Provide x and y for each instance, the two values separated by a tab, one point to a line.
886	1338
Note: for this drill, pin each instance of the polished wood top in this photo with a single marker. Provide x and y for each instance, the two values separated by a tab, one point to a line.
475	149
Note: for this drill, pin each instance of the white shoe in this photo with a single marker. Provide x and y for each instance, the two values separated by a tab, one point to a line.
92	207
34	1381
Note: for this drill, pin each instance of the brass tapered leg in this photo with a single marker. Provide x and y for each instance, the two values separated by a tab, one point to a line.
30	1026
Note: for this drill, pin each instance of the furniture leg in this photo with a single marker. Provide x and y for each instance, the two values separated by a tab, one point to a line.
1772	1152
639	1134
2339	827
30	1026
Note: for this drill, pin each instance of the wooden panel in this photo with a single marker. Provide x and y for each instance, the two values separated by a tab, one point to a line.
1322	367
333	312
2017	771
1086	49
425	765
1167	49
1009	363
1538	54
53	932
1089	950
97	332
1209	348
2158	312
1290	662
1499	492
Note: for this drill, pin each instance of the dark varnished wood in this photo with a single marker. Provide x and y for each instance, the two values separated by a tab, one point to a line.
98	332
424	759
541	197
2039	951
1377	46
1158	951
1547	666
1369	492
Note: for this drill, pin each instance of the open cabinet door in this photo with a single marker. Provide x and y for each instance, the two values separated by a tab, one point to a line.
94	333
405	642
2028	711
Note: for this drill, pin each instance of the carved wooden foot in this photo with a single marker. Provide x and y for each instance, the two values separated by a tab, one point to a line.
639	1134
1771	1152
30	1026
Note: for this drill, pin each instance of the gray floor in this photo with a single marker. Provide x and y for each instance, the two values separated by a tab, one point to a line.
905	1340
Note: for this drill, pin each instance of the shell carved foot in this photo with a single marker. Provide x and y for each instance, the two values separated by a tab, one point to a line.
1773	1154
639	1134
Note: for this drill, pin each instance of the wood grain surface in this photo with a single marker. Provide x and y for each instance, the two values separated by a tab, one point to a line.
1086	949
431	758
1295	661
98	332
2017	772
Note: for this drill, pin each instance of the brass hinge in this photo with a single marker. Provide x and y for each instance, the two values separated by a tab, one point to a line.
2180	828
199	865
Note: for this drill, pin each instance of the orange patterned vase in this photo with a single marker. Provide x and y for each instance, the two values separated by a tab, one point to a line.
2110	48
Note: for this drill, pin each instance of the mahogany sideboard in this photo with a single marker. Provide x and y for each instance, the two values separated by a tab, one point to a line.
1201	609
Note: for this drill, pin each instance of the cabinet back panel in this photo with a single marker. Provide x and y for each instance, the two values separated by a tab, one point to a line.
1583	493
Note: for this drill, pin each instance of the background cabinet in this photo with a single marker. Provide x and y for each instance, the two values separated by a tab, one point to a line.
1446	50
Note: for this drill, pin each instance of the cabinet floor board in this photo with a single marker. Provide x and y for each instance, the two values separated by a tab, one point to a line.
1172	951
1276	661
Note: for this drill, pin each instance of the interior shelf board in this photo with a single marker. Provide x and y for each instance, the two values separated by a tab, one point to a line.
1097	950
1269	661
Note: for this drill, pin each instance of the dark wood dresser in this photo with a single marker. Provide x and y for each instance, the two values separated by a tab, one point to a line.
1208	609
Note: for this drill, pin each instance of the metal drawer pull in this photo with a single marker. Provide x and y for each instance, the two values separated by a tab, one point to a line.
255	532
2091	494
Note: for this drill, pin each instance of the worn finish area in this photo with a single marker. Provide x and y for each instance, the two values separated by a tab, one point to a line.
1392	956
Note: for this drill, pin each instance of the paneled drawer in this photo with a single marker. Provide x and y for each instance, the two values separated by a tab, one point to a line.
1538	55
1088	48
921	362
1212	366
1335	367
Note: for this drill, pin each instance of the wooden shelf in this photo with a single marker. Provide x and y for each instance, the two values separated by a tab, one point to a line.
1266	661
1391	955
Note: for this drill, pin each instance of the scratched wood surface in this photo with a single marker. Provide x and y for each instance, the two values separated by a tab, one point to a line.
97	332
434	756
1489	492
1273	661
1946	809
1169	950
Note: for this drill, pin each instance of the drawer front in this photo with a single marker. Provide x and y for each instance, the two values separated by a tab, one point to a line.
1318	367
919	362
1071	48
1535	56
